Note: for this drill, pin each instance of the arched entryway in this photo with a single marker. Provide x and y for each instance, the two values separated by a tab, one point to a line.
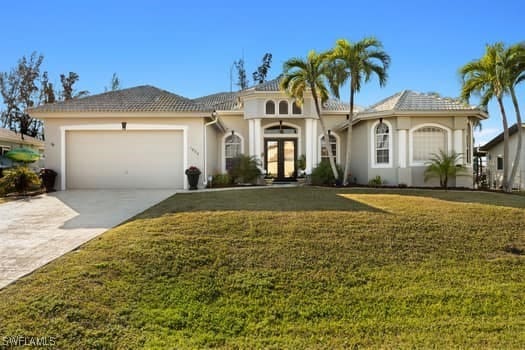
280	149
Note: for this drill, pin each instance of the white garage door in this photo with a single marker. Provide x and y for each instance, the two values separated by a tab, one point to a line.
124	159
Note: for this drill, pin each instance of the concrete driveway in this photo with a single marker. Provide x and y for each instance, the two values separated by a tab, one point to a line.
38	230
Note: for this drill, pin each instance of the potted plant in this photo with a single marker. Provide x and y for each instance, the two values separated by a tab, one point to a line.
193	173
268	178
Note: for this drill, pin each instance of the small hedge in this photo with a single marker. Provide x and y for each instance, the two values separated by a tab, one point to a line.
322	174
19	179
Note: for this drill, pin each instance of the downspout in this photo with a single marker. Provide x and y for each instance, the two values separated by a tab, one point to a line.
215	119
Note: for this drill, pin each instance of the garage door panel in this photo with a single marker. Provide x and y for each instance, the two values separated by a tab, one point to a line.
124	159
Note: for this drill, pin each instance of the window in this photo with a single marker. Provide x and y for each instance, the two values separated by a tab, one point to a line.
232	149
296	109
324	150
426	141
499	163
270	107
283	107
280	129
382	144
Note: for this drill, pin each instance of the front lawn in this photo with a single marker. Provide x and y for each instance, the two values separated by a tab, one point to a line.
289	268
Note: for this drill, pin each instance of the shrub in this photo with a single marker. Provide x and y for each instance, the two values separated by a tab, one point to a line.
245	169
322	174
221	180
376	181
19	179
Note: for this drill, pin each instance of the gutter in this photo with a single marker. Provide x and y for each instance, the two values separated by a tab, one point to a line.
215	120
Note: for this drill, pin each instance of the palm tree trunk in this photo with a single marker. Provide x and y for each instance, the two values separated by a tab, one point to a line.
346	174
325	135
505	184
517	157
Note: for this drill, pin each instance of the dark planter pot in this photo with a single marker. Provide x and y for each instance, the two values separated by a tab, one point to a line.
193	180
48	178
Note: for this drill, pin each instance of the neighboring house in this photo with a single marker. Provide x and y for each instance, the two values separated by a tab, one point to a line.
10	140
494	156
145	137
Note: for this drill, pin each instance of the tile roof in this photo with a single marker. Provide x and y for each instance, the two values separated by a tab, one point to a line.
144	98
414	101
270	85
222	101
11	136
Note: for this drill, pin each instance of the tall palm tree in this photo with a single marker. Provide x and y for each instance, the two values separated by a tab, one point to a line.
515	57
495	74
487	77
356	63
300	75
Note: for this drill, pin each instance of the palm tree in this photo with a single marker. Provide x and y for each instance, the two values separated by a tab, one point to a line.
515	57
312	73
487	77
356	63
444	166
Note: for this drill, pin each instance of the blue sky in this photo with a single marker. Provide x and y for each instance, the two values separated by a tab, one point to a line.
188	47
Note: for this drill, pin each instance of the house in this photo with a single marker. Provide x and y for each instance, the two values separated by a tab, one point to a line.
10	140
494	157
145	137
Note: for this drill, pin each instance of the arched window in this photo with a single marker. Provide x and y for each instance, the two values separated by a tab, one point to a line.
382	144
324	150
232	149
426	141
283	107
270	107
296	109
280	129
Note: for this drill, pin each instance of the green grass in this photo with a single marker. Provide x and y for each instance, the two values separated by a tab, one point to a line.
290	269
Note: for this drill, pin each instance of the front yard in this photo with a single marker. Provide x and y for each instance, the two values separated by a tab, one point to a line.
289	268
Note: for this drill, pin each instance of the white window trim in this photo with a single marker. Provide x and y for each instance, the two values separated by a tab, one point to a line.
470	147
390	146
224	147
115	127
279	108
448	133
276	107
337	147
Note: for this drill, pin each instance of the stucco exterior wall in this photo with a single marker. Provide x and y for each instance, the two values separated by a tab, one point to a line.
495	177
53	143
359	166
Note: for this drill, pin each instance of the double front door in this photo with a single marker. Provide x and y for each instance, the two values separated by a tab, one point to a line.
281	156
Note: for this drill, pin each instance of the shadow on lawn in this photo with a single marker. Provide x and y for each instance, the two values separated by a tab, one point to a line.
278	199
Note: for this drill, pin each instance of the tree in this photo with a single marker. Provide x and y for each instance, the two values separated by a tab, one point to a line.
312	73
242	80
47	93
259	76
492	76
67	86
444	166
356	63
20	91
515	56
115	83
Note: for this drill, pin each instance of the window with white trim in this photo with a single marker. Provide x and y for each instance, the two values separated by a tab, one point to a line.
296	109
382	144
499	163
270	107
426	141
283	107
469	141
232	149
324	150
